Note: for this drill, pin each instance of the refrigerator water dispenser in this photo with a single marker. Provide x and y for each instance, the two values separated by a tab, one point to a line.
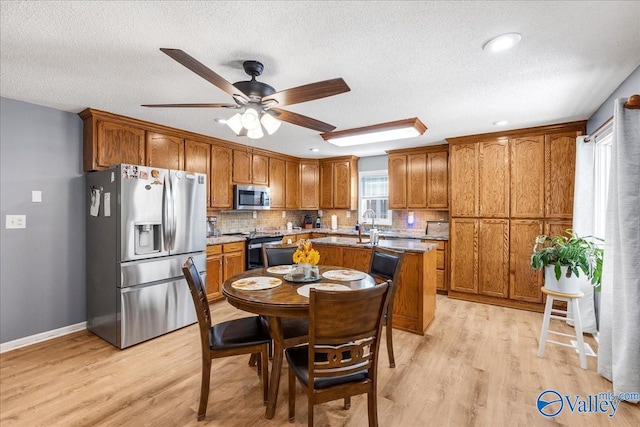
147	238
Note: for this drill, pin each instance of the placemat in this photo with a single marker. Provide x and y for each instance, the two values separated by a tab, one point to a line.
304	290
281	269
344	275
256	283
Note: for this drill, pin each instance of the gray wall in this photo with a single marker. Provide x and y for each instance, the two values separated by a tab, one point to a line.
627	88
42	267
373	163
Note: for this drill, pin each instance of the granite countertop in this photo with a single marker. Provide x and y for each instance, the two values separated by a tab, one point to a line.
224	239
406	245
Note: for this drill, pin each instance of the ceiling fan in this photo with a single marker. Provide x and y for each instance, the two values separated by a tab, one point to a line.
259	101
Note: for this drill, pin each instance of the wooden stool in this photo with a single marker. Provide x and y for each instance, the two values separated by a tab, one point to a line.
549	313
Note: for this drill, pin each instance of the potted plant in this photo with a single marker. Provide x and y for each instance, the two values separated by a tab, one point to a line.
564	257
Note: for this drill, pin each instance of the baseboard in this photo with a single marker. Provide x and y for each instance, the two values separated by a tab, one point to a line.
44	336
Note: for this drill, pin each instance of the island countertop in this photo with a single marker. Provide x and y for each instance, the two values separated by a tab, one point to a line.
405	245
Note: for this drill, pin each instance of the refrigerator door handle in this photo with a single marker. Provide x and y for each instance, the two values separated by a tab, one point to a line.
174	218
167	215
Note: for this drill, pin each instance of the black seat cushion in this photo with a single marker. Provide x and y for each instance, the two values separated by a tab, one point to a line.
298	359
238	333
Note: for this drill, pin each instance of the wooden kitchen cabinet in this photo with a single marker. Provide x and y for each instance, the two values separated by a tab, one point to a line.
524	281
560	161
277	183
527	172
234	259
397	171
442	267
358	259
464	180
221	170
215	269
493	257
493	178
197	158
438	180
164	151
339	183
417	180
250	168
107	142
292	185
463	236
555	227
309	185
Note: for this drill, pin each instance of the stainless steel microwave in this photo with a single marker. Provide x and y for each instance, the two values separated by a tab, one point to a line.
251	197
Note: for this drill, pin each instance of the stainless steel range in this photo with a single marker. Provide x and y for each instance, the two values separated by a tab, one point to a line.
254	247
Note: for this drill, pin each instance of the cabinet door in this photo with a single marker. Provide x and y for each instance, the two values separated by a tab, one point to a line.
197	158
493	178
118	143
326	185
464	180
493	257
292	184
397	181
557	227
527	177
464	255
560	159
221	166
342	185
260	168
242	164
214	277
233	264
164	151
438	180
277	183
330	255
309	185
358	259
524	281
417	181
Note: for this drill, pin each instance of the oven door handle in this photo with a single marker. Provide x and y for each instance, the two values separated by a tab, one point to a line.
254	246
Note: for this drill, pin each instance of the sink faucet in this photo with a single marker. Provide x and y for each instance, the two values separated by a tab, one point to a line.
373	217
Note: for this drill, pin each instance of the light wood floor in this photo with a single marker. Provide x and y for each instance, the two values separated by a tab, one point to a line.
477	366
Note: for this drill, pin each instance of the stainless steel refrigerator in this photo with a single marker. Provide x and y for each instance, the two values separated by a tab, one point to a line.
142	224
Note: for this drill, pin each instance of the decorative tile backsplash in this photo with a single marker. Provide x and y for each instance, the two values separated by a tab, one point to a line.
271	220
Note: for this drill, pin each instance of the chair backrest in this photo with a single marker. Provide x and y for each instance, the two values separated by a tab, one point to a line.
386	264
344	331
199	295
278	254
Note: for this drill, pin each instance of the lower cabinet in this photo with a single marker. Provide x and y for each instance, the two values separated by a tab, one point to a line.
442	276
525	282
223	261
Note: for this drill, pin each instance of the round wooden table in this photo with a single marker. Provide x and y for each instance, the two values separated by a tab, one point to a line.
276	303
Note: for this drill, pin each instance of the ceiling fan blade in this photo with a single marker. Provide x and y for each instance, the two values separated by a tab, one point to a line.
308	92
204	72
191	105
300	120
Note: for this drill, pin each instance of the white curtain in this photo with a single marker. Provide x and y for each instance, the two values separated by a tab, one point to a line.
583	223
619	346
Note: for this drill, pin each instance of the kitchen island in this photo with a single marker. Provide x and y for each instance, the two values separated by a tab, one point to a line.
415	302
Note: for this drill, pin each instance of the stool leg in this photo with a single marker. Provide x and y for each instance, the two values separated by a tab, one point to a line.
545	325
577	323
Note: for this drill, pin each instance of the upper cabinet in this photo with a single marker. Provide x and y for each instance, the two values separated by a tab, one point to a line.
560	162
164	151
418	178
277	183
221	170
292	185
527	168
250	168
197	158
309	191
339	183
493	178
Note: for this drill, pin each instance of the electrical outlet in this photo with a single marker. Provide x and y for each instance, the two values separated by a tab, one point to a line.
16	221
348	214
320	214
36	196
255	214
284	214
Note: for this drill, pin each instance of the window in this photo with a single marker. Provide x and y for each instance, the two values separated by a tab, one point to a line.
374	194
602	163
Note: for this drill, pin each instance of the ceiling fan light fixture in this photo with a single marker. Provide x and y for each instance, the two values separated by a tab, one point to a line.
235	123
502	42
250	119
390	131
255	133
270	123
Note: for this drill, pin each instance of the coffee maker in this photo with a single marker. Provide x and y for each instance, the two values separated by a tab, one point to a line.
212	222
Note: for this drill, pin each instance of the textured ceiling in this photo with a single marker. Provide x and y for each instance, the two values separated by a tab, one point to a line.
401	60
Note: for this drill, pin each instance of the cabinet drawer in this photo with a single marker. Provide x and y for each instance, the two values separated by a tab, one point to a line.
214	249
440	260
233	247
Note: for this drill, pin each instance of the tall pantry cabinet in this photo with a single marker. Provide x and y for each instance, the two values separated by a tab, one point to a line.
506	188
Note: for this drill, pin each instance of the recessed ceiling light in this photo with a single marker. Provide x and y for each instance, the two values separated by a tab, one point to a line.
315	150
221	121
502	42
500	123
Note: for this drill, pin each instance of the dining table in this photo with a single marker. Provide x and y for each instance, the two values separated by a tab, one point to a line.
275	293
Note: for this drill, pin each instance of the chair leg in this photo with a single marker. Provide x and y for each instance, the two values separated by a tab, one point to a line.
309	411
204	388
292	396
253	360
264	362
392	360
347	402
372	407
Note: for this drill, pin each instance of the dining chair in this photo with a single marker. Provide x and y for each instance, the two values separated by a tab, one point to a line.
385	267
273	255
341	358
247	335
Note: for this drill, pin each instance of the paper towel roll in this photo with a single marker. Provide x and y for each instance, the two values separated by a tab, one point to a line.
334	222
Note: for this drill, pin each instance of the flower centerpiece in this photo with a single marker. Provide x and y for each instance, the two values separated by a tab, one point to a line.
305	256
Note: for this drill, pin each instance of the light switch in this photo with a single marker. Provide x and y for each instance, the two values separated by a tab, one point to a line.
284	214
36	196
255	214
348	214
16	221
